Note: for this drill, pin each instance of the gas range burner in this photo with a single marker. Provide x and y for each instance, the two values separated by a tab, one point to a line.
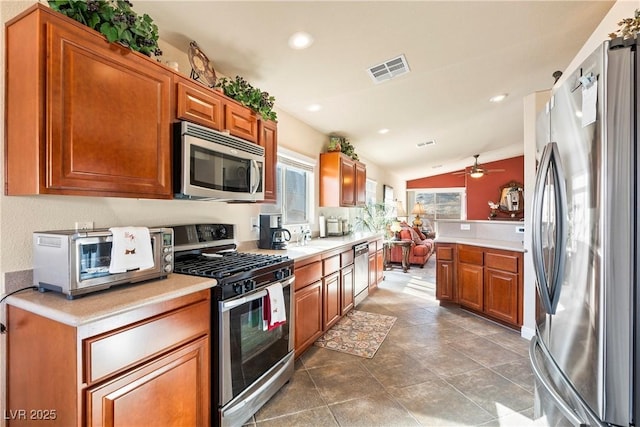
221	265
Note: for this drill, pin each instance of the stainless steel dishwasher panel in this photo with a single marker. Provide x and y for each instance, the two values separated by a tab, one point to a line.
361	272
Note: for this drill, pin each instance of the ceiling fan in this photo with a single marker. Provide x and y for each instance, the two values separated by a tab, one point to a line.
477	171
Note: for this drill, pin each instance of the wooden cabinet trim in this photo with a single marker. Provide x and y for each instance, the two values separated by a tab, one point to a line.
308	274
331	265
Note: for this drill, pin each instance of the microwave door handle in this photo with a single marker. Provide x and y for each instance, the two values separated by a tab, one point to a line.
255	176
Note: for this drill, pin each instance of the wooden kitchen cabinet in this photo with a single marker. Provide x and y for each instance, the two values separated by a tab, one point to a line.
342	181
485	280
83	116
373	274
331	291
445	259
240	121
379	261
308	306
268	139
346	281
198	104
147	366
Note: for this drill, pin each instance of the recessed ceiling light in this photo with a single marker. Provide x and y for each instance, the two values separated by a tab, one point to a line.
383	131
498	98
314	107
300	40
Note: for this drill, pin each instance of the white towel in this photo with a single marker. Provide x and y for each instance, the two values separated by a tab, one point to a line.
130	249
273	305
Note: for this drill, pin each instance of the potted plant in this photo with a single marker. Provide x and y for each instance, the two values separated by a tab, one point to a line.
116	20
375	217
629	27
249	96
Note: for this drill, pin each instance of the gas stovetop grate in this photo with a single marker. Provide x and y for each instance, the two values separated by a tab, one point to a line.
223	265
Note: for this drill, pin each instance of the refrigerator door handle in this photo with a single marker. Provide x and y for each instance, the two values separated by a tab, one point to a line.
560	403
549	282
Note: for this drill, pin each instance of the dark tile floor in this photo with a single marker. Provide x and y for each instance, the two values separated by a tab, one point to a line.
438	366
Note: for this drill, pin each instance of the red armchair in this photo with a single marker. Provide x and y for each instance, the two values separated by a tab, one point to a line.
421	248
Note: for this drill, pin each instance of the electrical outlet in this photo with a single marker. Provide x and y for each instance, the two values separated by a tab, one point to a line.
465	226
255	226
520	229
84	225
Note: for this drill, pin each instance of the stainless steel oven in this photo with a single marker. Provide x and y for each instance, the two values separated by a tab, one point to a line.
248	363
254	363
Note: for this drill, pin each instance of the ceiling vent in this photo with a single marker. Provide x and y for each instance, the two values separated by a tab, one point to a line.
425	143
389	69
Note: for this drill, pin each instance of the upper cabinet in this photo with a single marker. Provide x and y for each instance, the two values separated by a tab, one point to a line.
83	116
268	139
342	180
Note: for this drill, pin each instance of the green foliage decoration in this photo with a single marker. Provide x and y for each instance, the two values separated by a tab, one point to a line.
249	96
116	20
374	217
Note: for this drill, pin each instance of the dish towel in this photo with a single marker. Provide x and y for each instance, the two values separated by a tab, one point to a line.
273	309
130	249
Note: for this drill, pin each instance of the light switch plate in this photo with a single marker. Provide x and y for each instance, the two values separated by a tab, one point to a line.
465	226
520	229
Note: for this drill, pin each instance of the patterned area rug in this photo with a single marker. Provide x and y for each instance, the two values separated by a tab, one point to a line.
359	333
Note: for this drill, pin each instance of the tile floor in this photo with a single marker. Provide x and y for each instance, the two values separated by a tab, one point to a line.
437	367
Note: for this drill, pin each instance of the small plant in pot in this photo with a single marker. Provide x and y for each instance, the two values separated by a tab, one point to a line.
116	20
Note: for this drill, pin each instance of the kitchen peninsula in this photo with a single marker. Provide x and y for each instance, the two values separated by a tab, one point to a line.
479	274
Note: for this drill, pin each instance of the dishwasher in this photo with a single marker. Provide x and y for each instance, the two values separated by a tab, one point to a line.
360	272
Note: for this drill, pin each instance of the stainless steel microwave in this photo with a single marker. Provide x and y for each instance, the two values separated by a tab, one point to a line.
77	262
213	165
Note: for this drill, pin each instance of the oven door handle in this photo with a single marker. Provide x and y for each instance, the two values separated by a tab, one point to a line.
228	305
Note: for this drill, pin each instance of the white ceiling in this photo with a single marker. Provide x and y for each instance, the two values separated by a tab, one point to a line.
460	54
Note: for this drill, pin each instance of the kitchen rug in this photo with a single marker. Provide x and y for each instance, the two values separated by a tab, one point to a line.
359	333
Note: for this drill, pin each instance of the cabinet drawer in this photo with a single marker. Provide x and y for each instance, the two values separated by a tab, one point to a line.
308	274
444	253
331	265
501	262
470	255
126	347
346	258
198	106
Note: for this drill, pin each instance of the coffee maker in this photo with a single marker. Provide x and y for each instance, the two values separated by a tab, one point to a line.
272	235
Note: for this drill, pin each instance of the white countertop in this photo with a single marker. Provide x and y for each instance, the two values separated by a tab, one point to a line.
319	245
487	243
111	302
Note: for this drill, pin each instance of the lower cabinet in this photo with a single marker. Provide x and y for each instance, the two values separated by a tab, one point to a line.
308	316
148	366
346	280
485	280
331	300
373	275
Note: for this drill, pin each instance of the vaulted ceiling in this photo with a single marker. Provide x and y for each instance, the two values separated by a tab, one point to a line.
460	53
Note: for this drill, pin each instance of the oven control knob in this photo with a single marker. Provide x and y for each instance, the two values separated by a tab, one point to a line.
249	285
167	268
168	257
237	288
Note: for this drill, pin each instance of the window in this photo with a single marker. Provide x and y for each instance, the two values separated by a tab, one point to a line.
371	191
440	203
294	188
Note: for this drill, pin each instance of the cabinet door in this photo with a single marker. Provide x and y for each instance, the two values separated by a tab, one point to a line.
199	105
379	264
470	286
346	280
170	391
348	180
268	139
501	295
240	121
444	281
308	316
373	275
108	119
331	300
361	184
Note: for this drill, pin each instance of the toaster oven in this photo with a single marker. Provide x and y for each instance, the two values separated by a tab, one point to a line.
77	262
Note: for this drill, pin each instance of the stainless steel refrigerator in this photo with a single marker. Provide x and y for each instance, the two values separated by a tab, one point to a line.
585	247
